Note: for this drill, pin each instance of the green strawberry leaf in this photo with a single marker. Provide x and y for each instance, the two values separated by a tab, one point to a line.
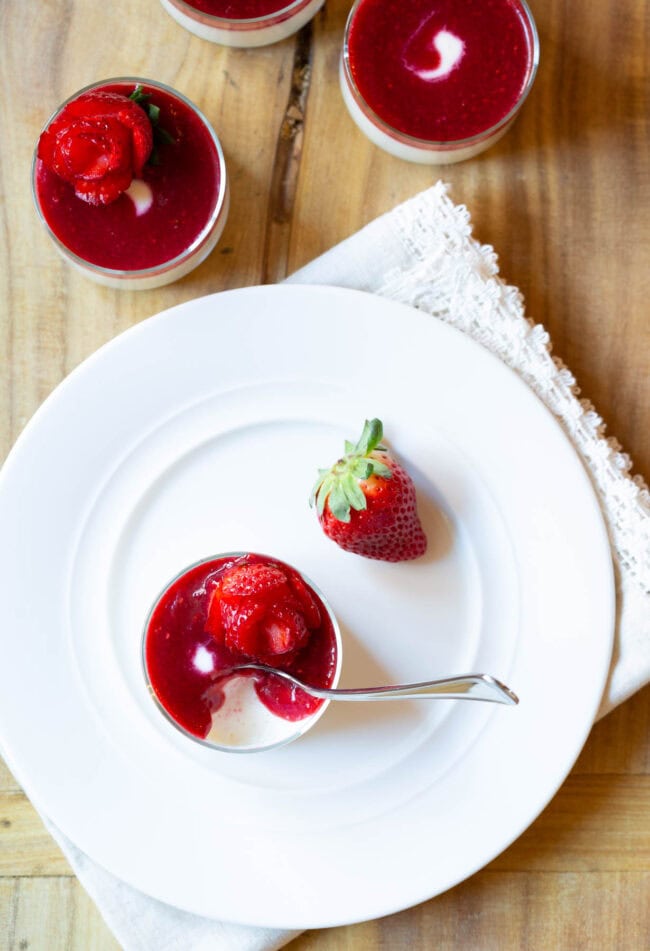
353	492
338	487
361	468
323	492
338	503
370	438
139	95
381	469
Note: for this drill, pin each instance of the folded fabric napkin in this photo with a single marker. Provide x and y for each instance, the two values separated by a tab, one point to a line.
422	253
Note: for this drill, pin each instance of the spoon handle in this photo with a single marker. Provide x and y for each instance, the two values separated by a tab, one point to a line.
466	687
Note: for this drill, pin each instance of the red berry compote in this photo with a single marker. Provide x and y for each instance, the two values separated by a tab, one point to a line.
130	181
233	609
437	81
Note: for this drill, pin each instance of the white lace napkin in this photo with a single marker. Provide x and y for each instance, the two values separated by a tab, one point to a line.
422	253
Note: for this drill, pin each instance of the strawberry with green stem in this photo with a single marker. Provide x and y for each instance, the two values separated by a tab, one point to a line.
366	501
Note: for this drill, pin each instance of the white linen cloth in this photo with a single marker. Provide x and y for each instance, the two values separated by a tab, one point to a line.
422	253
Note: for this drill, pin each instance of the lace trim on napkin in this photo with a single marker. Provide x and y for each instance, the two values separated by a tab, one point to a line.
457	280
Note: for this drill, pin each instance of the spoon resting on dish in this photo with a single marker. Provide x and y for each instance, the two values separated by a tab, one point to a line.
464	687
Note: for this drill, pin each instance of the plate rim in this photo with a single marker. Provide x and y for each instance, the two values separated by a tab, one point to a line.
142	327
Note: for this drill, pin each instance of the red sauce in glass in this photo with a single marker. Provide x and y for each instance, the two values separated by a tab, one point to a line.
185	186
177	630
239	9
392	45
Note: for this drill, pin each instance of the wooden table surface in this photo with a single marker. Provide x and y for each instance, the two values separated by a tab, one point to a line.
564	199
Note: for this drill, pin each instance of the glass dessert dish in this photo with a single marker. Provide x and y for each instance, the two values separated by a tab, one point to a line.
246	23
232	609
437	83
129	179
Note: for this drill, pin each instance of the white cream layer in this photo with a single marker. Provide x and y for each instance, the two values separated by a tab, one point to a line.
141	195
244	722
422	155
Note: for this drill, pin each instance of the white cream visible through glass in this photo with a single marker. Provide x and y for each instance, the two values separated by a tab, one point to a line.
256	31
148	457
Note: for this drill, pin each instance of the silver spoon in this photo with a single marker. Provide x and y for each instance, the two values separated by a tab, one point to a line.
466	687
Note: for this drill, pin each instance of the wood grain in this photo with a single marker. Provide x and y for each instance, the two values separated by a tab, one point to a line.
50	914
563	198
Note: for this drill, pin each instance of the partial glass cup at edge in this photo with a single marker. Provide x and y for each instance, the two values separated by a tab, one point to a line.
294	728
250	32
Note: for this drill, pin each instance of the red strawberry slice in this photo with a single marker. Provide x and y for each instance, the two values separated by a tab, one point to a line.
261	611
306	599
96	159
241	626
366	502
86	149
102	192
129	113
284	630
49	138
214	624
259	580
98	143
98	102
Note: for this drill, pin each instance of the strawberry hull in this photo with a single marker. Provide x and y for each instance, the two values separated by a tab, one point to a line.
389	529
366	502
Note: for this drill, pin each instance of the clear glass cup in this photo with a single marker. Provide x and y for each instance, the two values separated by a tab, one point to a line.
424	151
200	246
255	31
276	730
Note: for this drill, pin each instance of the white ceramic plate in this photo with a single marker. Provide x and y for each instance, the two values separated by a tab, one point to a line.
199	431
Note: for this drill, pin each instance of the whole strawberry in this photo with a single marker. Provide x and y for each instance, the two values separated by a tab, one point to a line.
366	501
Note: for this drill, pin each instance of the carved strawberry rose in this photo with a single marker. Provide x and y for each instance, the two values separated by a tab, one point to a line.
98	143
